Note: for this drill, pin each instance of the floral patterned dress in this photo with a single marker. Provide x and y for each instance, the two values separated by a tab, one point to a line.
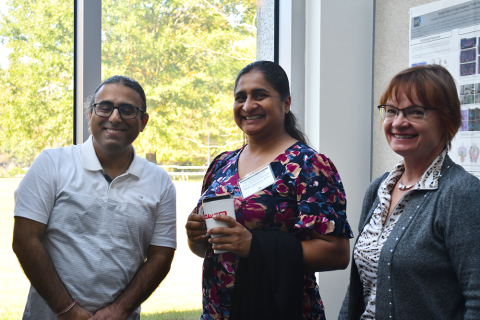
307	196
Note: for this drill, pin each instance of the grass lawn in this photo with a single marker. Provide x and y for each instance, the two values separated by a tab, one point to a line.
179	296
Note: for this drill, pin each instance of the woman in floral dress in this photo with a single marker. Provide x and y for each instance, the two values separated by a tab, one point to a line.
306	200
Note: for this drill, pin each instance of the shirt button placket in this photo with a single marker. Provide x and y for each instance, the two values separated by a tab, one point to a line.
112	191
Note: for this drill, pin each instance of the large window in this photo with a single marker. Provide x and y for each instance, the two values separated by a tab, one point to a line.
185	53
36	99
36	92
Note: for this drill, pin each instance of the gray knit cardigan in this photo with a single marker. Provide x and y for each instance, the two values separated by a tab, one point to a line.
429	267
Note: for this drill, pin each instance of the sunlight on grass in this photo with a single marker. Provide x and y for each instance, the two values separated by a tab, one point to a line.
173	315
179	296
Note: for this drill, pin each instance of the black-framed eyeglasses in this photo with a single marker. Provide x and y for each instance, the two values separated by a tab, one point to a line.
105	110
412	113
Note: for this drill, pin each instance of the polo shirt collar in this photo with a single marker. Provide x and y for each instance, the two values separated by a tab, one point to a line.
136	167
90	159
91	162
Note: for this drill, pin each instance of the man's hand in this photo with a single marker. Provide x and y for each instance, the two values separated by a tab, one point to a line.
76	313
109	313
236	238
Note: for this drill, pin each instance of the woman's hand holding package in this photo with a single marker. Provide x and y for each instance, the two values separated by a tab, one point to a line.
236	238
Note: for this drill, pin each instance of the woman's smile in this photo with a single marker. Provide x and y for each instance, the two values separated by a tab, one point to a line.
404	136
258	109
256	117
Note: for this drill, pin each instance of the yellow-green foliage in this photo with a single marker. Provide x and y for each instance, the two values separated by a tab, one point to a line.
185	53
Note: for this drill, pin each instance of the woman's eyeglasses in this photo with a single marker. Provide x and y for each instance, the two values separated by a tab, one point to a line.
412	114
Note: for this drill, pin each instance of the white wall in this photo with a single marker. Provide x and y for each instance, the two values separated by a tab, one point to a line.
346	70
326	47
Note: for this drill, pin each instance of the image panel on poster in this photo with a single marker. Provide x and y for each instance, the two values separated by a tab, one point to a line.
447	33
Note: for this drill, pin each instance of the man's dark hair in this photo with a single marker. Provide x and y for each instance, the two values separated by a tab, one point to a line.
127	82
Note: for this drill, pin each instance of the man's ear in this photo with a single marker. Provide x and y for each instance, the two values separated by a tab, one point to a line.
144	122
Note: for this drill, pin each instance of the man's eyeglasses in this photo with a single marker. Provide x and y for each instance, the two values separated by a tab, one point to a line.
105	110
412	114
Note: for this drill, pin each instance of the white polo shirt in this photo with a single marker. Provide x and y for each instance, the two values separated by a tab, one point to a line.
97	234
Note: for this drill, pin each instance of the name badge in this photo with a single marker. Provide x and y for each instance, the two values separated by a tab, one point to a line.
257	181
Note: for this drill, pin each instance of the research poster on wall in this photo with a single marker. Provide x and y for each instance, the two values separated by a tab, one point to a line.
448	33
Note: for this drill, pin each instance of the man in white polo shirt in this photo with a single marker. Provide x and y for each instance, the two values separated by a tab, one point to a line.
95	228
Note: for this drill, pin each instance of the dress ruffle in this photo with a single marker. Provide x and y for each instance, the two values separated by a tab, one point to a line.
318	223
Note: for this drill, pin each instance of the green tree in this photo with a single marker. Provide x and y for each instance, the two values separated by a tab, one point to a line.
186	54
36	94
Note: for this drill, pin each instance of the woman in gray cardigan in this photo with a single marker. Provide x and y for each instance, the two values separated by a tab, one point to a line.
418	252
